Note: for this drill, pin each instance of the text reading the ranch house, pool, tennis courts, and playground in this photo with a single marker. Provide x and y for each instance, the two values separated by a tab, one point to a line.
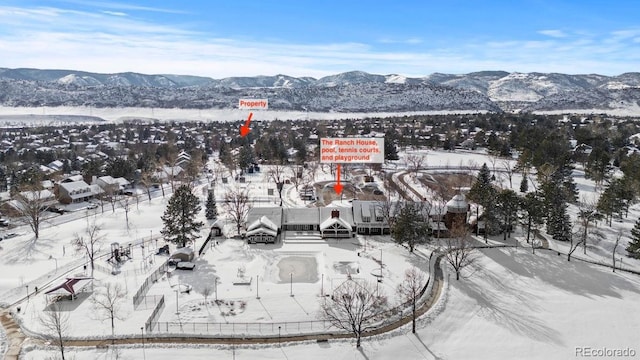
352	150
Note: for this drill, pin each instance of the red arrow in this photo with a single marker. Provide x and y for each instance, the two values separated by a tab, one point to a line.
338	187
244	129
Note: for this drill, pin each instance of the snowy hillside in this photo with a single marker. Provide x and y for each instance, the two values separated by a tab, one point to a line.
480	91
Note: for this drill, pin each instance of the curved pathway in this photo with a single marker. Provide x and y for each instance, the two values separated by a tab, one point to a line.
15	337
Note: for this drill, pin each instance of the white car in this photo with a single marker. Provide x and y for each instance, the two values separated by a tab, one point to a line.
92	206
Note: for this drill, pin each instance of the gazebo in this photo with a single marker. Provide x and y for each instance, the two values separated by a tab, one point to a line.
71	286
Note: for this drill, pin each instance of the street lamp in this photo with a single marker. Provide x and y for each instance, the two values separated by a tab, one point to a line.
177	291
215	288
380	263
322	286
279	334
291	283
257	287
144	355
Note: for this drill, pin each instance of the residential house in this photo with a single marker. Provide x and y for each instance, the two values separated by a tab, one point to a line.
77	191
264	225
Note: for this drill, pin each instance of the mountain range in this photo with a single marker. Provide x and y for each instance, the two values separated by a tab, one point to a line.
349	91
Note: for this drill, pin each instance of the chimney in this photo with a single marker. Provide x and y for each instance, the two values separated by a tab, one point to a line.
335	214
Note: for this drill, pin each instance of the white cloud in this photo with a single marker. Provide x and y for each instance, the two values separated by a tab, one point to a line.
412	40
553	33
114	13
123	6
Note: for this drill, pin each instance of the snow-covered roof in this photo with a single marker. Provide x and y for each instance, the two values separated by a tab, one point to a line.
73	178
346	214
301	216
74	186
262	222
261	230
457	204
332	221
107	179
70	286
122	182
273	216
38	195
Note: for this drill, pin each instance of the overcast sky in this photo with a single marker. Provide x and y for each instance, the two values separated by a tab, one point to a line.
317	38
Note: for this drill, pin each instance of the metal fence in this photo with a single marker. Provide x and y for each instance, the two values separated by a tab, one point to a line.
149	301
144	288
241	329
155	314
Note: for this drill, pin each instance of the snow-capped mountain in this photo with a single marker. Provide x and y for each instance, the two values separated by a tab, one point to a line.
278	81
349	91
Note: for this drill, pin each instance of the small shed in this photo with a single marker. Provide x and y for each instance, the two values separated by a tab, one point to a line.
216	229
183	254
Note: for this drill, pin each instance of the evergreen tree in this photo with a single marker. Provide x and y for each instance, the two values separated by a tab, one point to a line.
245	157
211	210
524	185
390	150
507	208
634	245
410	225
532	213
179	221
483	193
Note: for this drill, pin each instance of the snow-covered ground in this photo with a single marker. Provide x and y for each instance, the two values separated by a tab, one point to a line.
126	113
514	305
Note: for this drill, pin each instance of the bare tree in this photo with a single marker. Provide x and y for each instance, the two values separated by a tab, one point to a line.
441	194
147	179
298	175
56	322
170	168
353	307
277	173
493	159
415	163
507	166
107	301
410	289
194	167
459	252
587	215
389	209
206	291
615	246
575	240
236	204
89	244
111	195
31	203
125	203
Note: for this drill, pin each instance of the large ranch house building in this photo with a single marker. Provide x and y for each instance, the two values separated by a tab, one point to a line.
273	224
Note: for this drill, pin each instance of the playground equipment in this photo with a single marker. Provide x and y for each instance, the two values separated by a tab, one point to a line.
119	253
163	250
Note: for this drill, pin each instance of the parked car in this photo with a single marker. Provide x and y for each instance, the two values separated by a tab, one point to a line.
8	236
56	209
185	265
92	206
4	222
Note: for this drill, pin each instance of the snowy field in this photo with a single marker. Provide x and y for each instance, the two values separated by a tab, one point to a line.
15	115
512	305
515	306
